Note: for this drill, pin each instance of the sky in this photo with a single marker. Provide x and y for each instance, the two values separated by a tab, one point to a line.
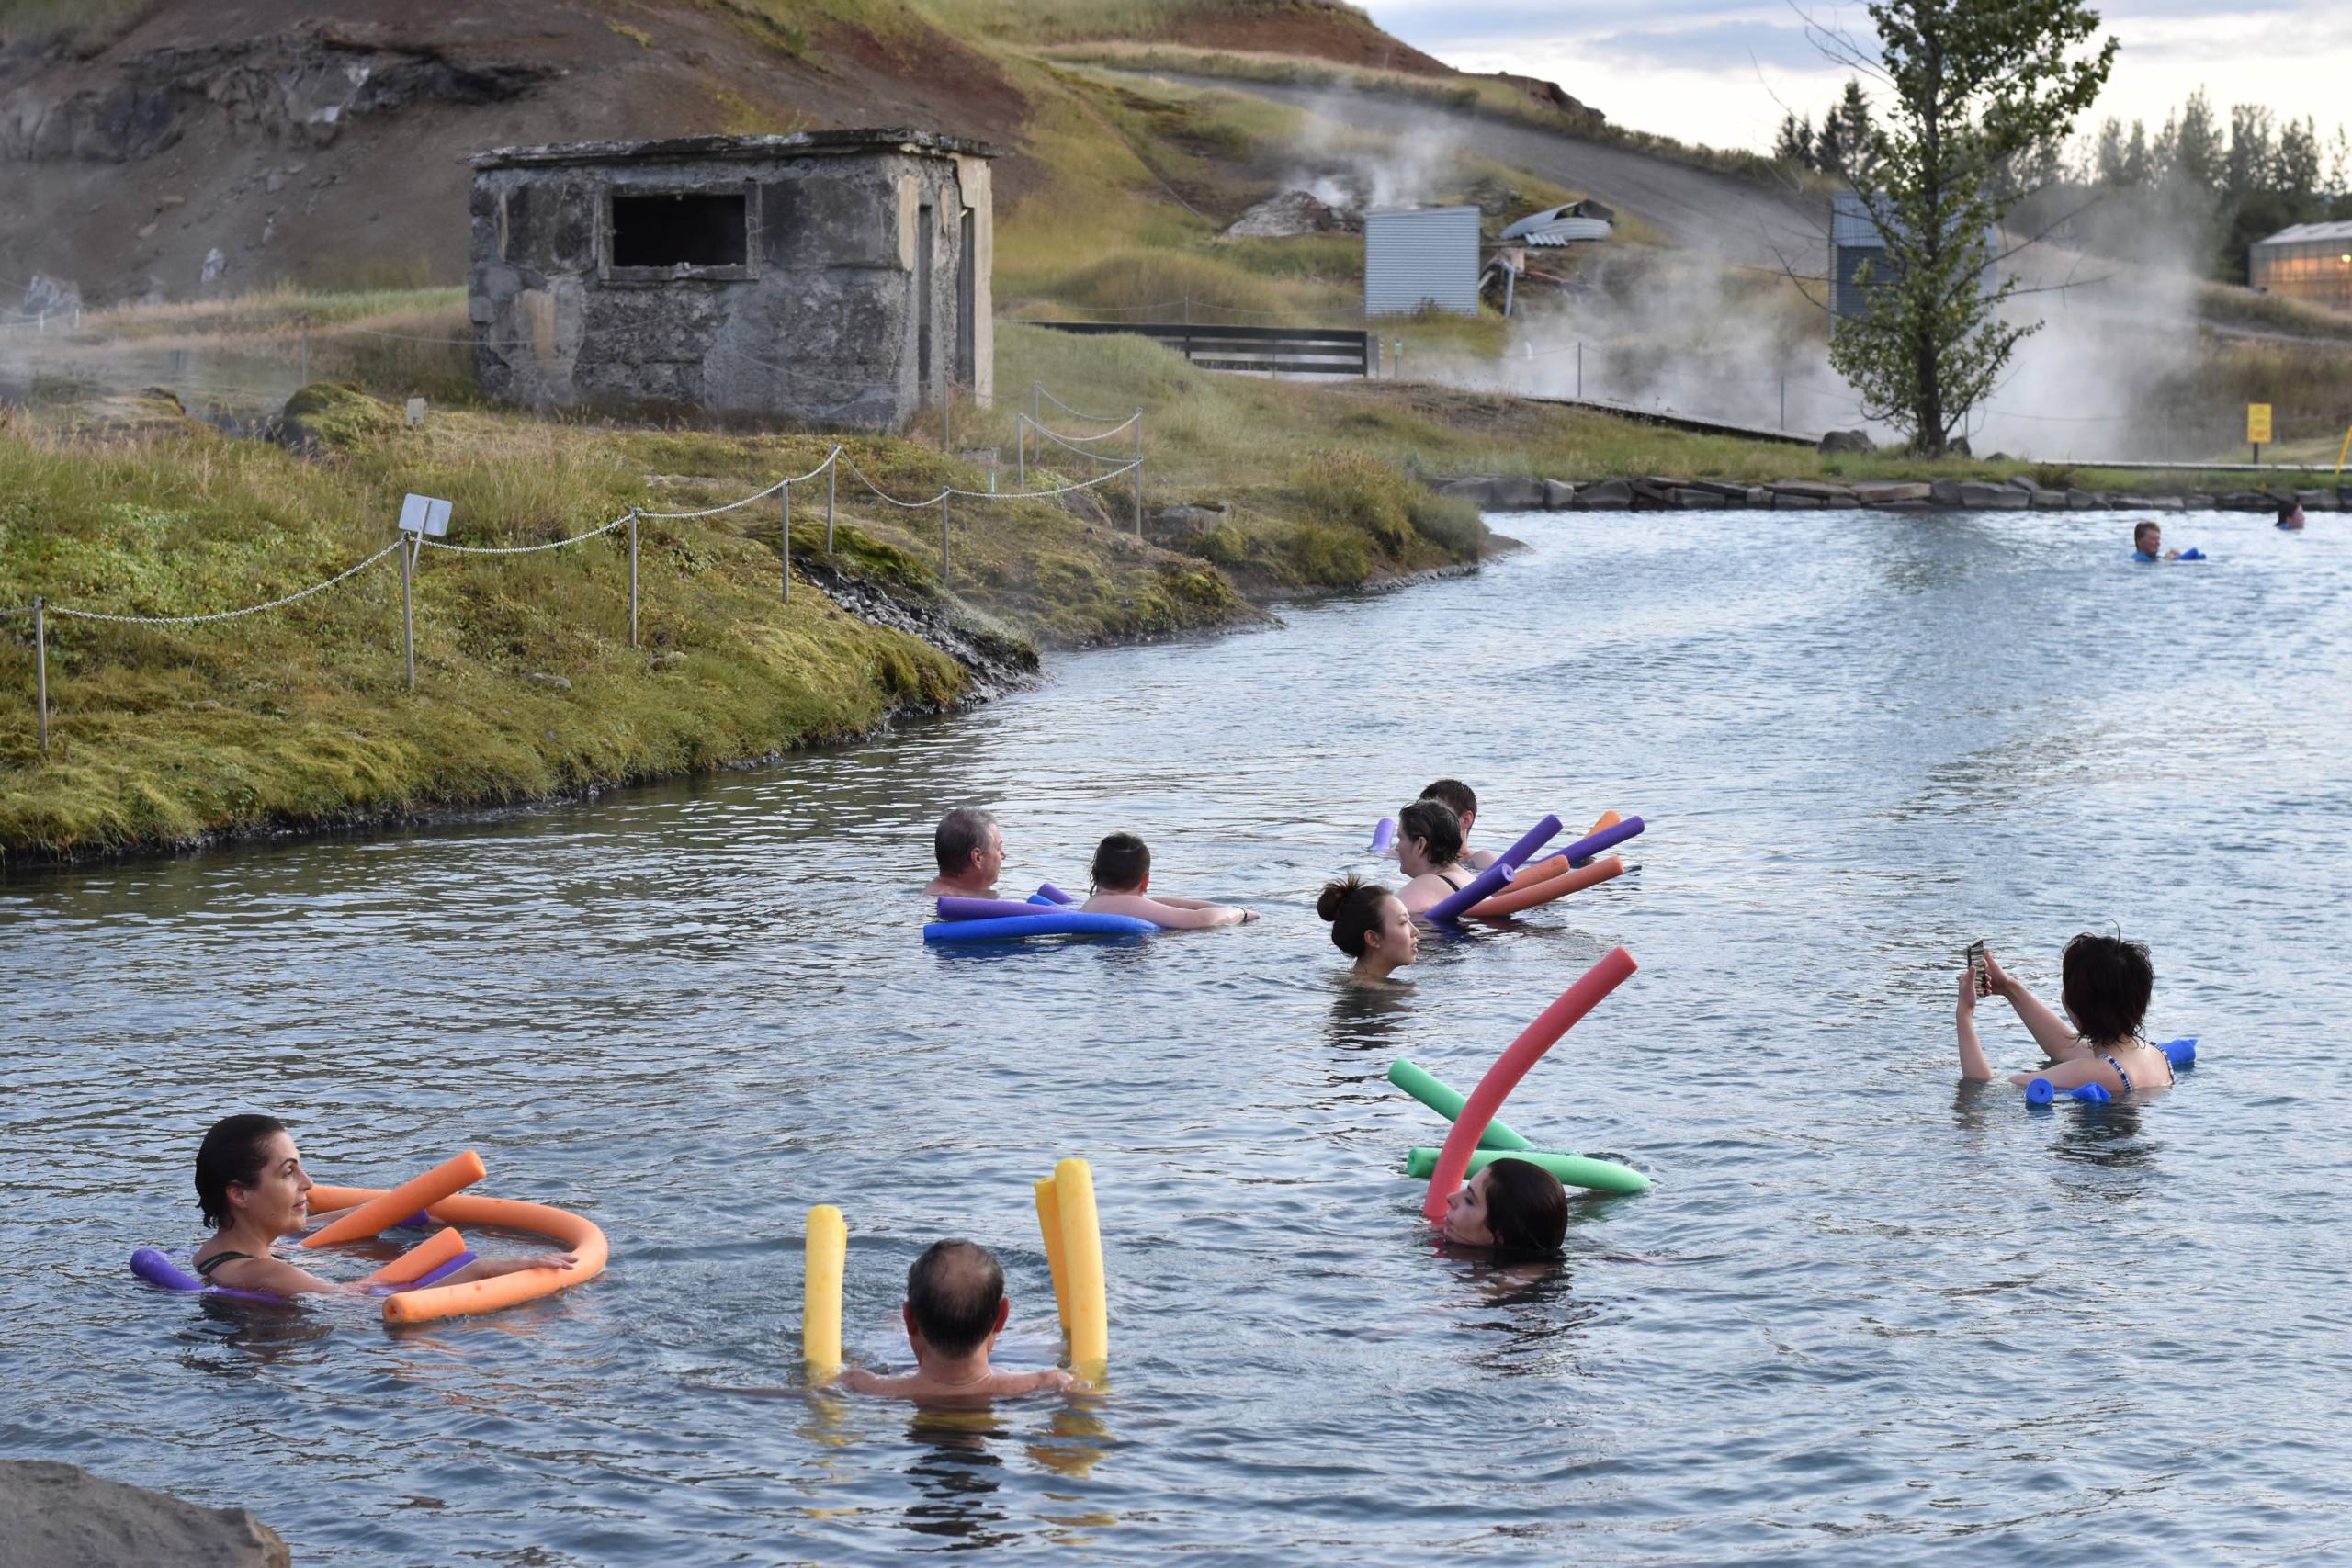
1721	72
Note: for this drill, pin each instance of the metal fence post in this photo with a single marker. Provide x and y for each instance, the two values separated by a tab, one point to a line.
306	351
1020	446
1036	409
632	577
1138	473
40	666
787	542
832	468
1784	402
1579	369
408	612
942	540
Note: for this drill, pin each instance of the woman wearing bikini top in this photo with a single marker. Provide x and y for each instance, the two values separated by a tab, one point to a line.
1429	848
2104	990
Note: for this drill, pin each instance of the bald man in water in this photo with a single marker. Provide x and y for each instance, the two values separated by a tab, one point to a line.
955	1307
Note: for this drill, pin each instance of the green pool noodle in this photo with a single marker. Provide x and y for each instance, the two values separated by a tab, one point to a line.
1448	1102
1574	1170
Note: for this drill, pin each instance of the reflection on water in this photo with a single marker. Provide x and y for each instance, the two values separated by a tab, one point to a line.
1825	1333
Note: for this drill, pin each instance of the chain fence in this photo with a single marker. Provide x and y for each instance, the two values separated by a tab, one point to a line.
409	548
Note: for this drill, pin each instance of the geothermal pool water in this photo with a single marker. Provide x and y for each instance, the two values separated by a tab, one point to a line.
1865	1313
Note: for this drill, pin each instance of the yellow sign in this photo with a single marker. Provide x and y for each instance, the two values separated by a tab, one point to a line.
2257	423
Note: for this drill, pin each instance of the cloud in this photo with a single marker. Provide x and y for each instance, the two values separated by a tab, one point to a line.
1714	44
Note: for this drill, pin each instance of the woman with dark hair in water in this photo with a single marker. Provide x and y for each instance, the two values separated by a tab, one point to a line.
1122	885
1429	848
1517	1208
2104	989
1370	925
252	1187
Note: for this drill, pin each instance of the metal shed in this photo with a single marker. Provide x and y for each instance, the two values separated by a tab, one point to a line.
1416	256
1854	238
2311	262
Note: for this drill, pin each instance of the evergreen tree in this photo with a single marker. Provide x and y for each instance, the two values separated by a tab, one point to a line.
2246	169
2139	173
2107	156
2196	161
1852	115
1969	85
1796	143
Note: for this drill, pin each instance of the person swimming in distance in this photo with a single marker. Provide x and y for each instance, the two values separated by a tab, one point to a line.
2105	987
1429	850
1122	873
1370	925
2148	543
252	1187
1515	1207
1463	802
2291	514
955	1309
971	854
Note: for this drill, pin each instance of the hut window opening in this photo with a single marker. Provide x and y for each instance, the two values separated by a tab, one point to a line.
676	229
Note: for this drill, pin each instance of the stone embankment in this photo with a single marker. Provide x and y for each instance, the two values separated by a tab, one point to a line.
60	1516
1657	493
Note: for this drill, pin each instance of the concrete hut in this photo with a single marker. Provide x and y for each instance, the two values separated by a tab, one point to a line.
836	278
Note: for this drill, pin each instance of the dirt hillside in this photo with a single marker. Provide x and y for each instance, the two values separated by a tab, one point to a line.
184	147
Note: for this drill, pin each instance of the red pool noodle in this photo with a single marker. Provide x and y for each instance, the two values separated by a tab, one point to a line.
1510	1066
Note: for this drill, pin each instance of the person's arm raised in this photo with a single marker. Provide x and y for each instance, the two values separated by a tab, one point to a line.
1973	1063
2056	1037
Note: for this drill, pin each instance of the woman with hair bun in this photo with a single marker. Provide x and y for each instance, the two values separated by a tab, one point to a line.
1370	925
1429	848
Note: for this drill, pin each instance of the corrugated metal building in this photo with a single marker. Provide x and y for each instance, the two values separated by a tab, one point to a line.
1854	238
1416	256
2311	261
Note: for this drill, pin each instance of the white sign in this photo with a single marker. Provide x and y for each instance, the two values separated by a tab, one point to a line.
423	514
416	412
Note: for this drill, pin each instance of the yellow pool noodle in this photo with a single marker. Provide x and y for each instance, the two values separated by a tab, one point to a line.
1050	1225
1090	1314
820	1290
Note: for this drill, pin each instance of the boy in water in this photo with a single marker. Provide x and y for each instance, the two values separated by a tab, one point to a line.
1453	792
1122	881
2291	514
971	854
955	1309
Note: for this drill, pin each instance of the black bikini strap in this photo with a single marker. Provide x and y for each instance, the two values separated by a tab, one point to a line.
204	1269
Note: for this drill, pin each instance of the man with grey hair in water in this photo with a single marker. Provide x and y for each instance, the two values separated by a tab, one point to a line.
955	1307
971	852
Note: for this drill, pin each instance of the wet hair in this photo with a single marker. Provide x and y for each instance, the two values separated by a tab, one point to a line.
231	1154
952	1290
1526	1209
1455	794
2288	507
1353	909
1121	862
2146	526
2106	985
961	832
1435	821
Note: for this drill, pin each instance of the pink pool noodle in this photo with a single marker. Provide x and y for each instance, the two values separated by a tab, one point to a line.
1510	1066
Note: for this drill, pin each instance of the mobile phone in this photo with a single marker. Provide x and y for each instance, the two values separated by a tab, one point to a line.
1976	968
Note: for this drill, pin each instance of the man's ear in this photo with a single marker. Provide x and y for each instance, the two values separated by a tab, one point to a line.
1003	1312
906	1316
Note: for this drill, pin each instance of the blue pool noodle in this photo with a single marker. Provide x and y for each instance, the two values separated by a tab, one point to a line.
1053	895
2042	1091
2180	1053
1045	922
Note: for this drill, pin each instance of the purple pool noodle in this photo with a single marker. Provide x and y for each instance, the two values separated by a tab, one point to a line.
1383	834
1485	884
152	1266
1534	838
435	1276
1592	844
955	909
1054	894
416	1221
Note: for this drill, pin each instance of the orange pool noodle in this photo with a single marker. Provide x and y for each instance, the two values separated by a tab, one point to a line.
568	1231
1542	871
421	1260
1514	899
1602	823
383	1212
